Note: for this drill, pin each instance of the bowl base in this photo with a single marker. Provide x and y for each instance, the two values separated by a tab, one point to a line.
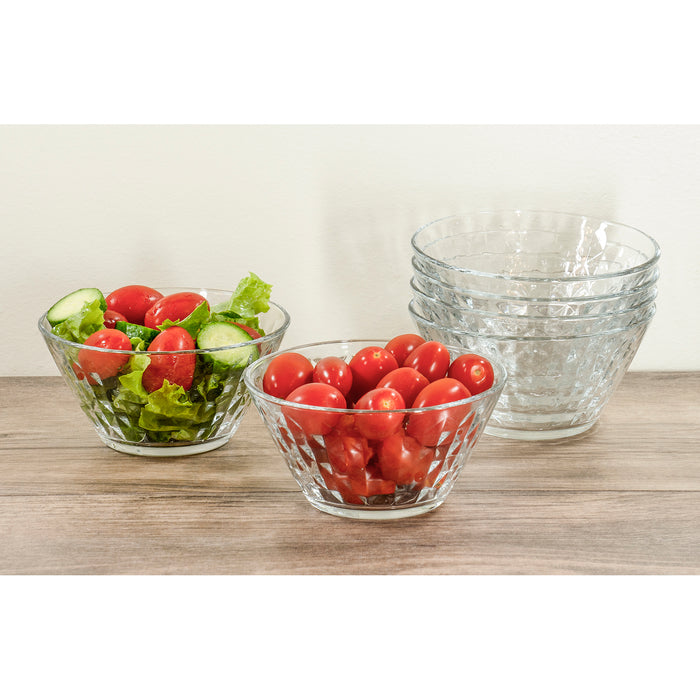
359	513
165	450
541	434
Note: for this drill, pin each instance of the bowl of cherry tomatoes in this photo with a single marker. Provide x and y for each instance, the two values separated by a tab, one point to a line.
375	430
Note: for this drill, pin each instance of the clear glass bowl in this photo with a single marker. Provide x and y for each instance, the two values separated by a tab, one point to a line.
327	484
211	410
525	306
477	321
535	254
557	386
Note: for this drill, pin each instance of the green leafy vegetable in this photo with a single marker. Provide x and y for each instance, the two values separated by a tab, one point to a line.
170	409
250	298
81	325
191	323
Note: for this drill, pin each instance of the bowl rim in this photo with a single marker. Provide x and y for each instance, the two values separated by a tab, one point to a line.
650	262
558	338
46	330
566	300
258	393
568	320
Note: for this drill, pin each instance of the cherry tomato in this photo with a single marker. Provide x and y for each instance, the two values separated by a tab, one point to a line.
341	484
312	421
431	359
403	459
368	366
407	381
371	483
428	427
250	331
389	404
334	371
348	451
111	318
133	301
403	345
173	307
285	373
104	364
474	371
362	484
177	369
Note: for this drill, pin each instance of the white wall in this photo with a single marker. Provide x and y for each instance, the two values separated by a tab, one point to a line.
324	213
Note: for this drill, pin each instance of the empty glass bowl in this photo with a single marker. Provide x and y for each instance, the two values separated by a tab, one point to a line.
527	306
401	477
535	254
477	321
198	420
557	386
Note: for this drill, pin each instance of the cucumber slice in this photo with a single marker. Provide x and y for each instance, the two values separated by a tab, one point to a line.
220	334
72	303
133	330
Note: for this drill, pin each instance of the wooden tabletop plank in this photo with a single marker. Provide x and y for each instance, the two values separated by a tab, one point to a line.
623	498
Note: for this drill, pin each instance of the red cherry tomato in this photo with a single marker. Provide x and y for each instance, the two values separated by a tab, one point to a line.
368	366
335	372
403	459
111	318
389	404
407	381
104	364
250	331
285	373
177	369
431	359
347	450
474	371
173	307
403	345
370	483
362	484
133	301
310	421
429	427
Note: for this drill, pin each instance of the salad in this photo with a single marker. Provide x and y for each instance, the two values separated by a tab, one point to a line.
149	363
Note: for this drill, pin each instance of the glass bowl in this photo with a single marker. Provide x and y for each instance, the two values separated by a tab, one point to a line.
319	462
557	386
535	254
199	420
482	322
526	306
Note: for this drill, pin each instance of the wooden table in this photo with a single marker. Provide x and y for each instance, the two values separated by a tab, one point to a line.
622	499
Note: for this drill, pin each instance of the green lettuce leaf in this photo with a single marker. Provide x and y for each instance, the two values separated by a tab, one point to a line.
191	323
170	409
250	298
82	324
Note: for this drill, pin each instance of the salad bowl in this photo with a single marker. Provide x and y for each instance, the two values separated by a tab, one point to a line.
130	417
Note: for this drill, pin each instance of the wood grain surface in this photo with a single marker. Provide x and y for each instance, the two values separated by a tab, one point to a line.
622	499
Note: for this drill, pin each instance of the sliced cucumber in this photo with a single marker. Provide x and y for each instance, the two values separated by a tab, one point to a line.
220	334
133	330
72	303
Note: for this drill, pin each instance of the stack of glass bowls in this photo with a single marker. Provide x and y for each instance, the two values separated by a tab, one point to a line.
564	300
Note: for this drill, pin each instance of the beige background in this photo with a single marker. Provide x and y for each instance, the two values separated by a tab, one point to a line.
324	213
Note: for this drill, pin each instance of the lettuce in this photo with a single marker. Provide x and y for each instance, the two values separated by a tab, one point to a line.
170	410
250	298
81	325
191	323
